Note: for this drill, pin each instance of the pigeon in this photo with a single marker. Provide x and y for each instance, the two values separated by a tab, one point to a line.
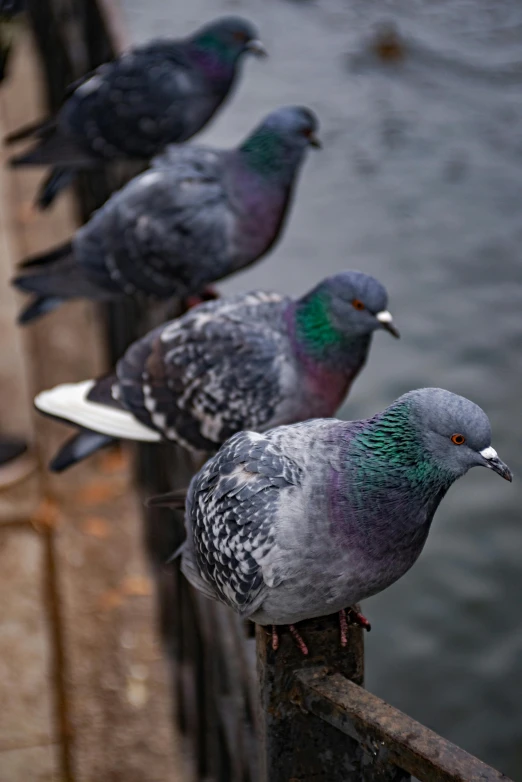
196	216
307	519
10	12
160	93
250	361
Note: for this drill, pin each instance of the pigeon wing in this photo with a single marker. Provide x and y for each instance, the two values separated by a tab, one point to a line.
202	378
232	517
168	232
135	105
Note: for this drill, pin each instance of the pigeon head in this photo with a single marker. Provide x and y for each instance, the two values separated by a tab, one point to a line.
334	322
223	41
279	143
455	432
408	456
356	303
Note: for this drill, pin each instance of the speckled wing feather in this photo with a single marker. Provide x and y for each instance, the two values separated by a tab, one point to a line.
201	378
231	521
167	232
134	105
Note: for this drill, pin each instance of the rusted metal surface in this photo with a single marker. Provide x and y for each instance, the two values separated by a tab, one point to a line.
386	734
295	744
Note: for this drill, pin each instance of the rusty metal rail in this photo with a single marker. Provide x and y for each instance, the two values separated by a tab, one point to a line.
318	723
386	734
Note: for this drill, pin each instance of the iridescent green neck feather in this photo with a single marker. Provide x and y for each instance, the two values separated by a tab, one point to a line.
321	340
268	153
209	44
389	454
313	322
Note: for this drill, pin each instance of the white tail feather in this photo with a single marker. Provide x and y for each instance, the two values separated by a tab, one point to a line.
69	402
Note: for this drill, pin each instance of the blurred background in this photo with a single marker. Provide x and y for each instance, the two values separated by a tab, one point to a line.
420	184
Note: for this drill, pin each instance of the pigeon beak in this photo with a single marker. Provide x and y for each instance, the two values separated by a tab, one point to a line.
492	461
314	141
257	48
386	321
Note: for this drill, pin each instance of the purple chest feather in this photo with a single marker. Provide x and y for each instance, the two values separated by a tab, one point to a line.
325	388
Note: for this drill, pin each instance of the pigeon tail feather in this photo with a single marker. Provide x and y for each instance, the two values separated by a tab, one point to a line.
46	258
78	448
57	274
172	499
55	149
40	305
58	180
38	129
70	402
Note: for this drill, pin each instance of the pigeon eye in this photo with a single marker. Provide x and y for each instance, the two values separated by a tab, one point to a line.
240	36
357	303
458	439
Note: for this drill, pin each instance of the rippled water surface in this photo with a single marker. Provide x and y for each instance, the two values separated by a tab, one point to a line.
420	184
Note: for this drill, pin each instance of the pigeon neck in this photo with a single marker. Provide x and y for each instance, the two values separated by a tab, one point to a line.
389	467
269	154
319	342
216	61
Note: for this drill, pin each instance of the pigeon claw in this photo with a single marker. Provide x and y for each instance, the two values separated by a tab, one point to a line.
298	639
207	294
343	626
356	618
275	638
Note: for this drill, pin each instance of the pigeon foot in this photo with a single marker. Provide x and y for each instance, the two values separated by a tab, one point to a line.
343	626
298	639
274	636
355	618
207	294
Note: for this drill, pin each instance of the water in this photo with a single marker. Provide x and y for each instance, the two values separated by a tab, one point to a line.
420	184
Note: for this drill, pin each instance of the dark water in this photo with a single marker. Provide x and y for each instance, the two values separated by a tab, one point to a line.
420	184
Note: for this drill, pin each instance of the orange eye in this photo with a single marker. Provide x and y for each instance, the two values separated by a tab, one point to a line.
357	303
240	36
458	439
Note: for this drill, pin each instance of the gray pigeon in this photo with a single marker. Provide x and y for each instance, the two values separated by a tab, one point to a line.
160	93
197	216
252	361
305	520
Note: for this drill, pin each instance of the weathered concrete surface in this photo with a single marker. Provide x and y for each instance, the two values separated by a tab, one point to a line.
116	677
38	764
84	690
29	742
26	716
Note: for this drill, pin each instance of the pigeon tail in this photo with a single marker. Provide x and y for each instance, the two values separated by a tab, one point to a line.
172	499
58	180
54	149
73	403
57	275
40	305
47	258
33	129
78	448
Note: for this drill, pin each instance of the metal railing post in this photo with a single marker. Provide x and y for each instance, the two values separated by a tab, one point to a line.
294	744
